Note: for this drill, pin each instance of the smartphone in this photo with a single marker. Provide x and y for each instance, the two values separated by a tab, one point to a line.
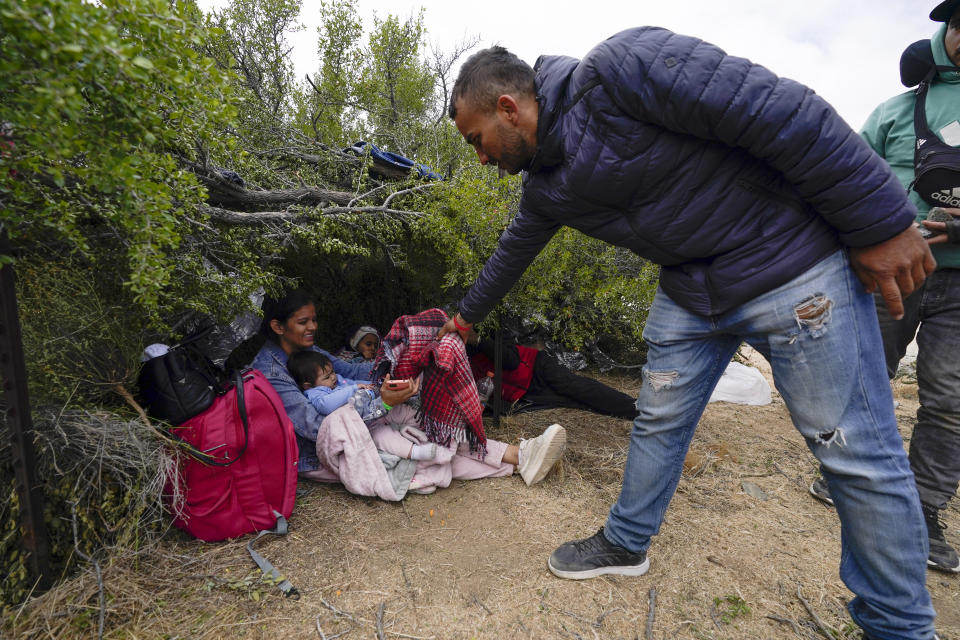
398	384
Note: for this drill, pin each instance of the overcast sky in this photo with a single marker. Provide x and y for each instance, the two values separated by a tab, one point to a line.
848	51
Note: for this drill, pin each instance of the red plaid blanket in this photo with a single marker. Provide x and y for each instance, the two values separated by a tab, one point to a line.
449	404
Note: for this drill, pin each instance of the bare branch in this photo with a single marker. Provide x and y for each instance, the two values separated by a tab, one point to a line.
411	190
262	217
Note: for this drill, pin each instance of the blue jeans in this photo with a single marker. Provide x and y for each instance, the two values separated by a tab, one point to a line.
820	334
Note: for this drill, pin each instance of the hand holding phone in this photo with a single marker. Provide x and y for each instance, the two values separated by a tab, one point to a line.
398	384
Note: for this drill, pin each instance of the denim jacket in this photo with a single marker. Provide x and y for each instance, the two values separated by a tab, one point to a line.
271	361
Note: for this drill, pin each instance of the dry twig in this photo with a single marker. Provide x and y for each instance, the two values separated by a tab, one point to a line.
825	629
792	623
380	620
648	632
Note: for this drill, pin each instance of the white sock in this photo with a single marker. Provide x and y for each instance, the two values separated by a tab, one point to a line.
520	455
423	451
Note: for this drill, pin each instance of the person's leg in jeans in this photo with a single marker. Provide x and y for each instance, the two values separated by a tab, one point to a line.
935	445
685	360
821	333
553	384
896	336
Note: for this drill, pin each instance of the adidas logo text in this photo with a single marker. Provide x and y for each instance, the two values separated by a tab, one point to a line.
951	198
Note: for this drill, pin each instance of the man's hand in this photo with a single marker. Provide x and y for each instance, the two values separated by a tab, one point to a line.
394	397
456	325
897	267
946	231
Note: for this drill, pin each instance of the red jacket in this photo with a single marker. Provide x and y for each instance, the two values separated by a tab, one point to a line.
516	381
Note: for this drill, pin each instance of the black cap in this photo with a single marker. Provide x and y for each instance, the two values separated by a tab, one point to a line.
943	11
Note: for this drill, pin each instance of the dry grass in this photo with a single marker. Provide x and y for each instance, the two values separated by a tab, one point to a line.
470	561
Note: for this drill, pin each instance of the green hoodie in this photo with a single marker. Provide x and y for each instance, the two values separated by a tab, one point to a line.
889	130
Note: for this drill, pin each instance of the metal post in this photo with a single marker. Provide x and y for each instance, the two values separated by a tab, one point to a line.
13	376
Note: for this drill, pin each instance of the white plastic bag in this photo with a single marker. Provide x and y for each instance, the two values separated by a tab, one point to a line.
741	384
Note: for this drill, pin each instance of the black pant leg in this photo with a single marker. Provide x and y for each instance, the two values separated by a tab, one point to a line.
555	385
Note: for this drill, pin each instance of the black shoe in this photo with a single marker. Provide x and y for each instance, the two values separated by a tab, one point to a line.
595	556
820	490
942	557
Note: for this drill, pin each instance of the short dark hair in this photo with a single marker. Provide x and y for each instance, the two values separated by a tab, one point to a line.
304	365
488	74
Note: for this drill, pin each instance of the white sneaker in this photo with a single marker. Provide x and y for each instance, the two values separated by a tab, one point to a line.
537	456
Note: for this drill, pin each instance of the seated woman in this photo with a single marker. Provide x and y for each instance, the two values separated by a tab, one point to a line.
341	448
532	376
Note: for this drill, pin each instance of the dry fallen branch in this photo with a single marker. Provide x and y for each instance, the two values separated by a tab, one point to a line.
380	620
648	633
262	217
792	623
828	631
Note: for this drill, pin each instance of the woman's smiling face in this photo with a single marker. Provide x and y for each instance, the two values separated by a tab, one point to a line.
298	331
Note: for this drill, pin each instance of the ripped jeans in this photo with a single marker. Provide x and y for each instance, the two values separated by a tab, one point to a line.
820	334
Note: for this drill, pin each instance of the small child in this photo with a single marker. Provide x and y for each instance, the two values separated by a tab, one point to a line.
363	345
327	392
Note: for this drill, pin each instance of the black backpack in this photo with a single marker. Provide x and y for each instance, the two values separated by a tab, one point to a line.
181	383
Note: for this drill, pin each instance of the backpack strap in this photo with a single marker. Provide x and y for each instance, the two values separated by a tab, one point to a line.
193	337
920	127
206	458
925	138
284	585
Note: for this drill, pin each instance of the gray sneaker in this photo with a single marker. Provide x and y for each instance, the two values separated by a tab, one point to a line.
820	491
942	556
596	556
538	455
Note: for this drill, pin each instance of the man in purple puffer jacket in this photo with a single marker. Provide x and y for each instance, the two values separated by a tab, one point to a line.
773	221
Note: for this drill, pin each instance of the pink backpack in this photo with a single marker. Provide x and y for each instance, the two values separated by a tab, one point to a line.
240	471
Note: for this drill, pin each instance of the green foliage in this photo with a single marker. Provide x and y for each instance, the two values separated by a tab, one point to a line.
357	281
249	38
385	90
395	86
730	607
82	344
327	109
578	288
255	585
100	99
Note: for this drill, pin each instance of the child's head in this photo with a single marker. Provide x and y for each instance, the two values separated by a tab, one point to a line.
311	369
365	341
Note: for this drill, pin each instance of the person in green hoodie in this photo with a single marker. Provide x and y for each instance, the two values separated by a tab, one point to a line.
931	313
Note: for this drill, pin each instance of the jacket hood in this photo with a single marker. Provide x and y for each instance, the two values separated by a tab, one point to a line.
916	60
552	77
940	56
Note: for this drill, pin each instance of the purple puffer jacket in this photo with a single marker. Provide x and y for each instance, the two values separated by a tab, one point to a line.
733	179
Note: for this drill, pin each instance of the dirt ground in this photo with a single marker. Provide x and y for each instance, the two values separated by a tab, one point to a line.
469	562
